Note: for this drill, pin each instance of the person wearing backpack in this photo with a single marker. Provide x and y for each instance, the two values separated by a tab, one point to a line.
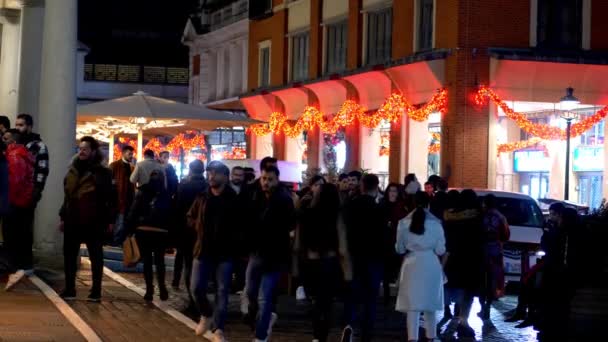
149	219
20	188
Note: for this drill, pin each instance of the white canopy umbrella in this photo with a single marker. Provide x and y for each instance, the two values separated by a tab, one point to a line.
142	112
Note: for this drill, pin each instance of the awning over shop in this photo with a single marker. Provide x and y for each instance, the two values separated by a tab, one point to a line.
546	81
417	81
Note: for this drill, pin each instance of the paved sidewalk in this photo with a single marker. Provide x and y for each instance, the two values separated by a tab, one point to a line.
123	315
294	324
27	315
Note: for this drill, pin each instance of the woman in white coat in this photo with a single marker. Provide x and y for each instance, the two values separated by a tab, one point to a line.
420	236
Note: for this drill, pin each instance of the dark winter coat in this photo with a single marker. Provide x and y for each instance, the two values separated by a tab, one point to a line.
40	153
217	224
465	245
366	229
269	223
89	197
318	229
151	208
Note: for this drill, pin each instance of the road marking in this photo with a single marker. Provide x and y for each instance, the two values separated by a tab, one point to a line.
158	303
83	328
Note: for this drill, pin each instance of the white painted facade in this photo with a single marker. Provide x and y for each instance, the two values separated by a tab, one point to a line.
222	73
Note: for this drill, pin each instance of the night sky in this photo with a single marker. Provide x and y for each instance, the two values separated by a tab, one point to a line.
135	32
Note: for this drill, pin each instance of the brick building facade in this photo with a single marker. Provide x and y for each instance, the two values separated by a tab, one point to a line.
528	51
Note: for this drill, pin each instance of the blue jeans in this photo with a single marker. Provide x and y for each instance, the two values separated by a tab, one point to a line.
201	272
119	231
364	290
268	280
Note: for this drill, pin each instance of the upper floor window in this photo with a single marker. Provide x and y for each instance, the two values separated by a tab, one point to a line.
335	46
299	56
594	136
560	24
264	66
425	25
379	36
543	121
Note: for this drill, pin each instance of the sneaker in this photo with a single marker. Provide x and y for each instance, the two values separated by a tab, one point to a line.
347	334
300	293
94	297
203	326
273	319
149	295
163	293
218	336
14	278
68	294
465	331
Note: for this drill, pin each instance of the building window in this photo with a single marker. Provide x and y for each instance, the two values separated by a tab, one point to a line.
425	25
379	36
299	56
542	121
594	136
560	24
335	47
264	73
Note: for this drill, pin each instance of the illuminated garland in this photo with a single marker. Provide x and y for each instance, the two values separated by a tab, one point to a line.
542	131
235	153
155	145
188	141
393	108
518	145
435	148
122	141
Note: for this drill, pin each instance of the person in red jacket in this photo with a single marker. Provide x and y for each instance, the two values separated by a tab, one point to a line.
20	197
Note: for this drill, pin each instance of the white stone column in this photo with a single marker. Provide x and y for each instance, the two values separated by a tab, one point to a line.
605	172
235	74
32	19
221	78
57	120
9	63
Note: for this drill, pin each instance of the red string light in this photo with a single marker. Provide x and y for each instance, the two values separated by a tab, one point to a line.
518	145
155	145
393	108
542	131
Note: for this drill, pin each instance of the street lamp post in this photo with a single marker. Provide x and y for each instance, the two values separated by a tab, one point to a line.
568	103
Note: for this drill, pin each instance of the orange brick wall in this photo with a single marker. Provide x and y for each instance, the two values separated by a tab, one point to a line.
274	29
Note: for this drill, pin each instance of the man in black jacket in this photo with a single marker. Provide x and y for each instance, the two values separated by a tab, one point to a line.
187	191
216	222
366	235
272	216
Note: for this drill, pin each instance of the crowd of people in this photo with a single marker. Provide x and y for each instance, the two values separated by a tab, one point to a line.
345	240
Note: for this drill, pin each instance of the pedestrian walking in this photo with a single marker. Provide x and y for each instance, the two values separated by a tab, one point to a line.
354	183
125	191
39	152
86	215
319	246
560	275
20	191
411	184
143	169
150	219
366	233
172	180
343	187
393	207
5	124
465	246
272	215
420	237
218	245
496	231
237	178
185	234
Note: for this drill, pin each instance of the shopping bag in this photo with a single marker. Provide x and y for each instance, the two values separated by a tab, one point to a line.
130	252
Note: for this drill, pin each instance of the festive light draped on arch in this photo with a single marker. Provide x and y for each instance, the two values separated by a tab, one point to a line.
393	108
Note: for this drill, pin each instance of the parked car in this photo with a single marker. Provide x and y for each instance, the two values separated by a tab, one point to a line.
526	222
545	203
